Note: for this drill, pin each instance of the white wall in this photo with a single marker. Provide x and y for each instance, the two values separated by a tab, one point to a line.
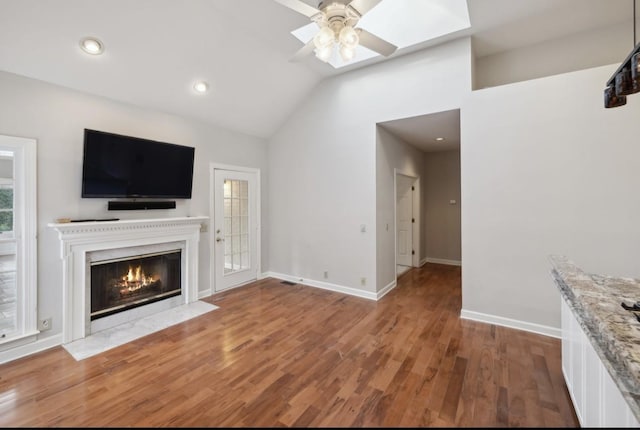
322	162
56	118
441	218
393	155
546	170
562	55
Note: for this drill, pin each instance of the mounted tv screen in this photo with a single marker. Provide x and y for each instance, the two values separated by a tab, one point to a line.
123	166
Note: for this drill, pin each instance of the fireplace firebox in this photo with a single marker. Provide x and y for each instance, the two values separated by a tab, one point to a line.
125	283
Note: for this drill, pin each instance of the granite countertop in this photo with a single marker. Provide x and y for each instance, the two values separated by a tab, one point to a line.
613	331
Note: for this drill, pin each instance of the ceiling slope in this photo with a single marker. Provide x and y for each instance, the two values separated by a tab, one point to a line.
157	49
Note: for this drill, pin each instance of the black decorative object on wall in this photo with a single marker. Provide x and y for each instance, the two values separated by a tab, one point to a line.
626	79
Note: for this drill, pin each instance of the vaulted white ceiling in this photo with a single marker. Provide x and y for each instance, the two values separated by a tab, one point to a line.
156	49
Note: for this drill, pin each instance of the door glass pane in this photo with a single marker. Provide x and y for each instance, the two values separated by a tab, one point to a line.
227	263
244	207
8	292
6	221
244	190
236	225
6	208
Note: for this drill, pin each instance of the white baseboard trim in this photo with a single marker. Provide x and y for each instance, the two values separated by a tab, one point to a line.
30	348
511	323
443	261
242	284
205	293
423	262
386	289
324	285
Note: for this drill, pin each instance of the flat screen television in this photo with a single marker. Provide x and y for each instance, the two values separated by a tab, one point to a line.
117	166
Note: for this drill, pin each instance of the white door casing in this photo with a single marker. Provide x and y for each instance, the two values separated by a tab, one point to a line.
235	227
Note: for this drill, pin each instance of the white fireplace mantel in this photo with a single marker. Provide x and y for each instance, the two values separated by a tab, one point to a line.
79	238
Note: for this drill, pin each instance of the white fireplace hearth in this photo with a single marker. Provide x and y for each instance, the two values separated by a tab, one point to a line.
84	242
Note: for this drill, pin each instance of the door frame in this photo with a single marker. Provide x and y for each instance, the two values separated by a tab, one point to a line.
212	266
415	231
25	209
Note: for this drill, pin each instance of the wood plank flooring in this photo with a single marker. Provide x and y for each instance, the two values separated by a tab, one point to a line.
276	355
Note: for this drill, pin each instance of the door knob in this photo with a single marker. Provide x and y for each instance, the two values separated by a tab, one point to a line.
219	239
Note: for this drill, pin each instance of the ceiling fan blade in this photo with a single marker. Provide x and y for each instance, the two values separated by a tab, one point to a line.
300	7
374	43
303	52
363	6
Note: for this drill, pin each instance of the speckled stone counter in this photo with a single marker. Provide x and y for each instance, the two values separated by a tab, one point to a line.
613	331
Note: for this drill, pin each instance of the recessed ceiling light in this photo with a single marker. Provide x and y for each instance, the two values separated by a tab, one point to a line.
92	46
201	87
439	139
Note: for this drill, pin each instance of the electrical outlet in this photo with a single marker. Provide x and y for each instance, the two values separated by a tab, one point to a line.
363	281
44	324
326	275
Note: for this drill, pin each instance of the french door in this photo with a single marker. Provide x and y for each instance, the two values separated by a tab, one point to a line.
18	266
235	227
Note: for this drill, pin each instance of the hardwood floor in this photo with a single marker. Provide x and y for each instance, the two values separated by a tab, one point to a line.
277	355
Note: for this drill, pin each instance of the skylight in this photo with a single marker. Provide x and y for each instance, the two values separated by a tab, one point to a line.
401	22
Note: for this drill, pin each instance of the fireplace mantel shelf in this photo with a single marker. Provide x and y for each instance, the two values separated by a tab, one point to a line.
89	227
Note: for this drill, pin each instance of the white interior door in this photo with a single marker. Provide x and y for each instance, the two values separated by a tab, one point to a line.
404	220
235	228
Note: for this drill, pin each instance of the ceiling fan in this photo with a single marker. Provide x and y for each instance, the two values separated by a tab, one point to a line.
337	20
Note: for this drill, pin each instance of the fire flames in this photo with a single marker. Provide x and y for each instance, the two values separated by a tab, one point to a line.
134	280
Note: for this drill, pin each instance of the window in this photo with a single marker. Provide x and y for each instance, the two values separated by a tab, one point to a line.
6	206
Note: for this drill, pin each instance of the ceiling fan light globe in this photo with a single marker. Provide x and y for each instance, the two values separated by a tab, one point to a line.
347	53
324	38
324	54
349	37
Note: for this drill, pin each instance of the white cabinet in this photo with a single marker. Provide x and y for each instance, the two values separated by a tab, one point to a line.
596	397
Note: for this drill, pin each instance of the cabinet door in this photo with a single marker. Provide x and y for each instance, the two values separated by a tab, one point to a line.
578	368
566	343
592	412
616	412
597	400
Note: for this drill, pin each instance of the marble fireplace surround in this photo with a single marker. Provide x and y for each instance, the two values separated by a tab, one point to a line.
78	240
